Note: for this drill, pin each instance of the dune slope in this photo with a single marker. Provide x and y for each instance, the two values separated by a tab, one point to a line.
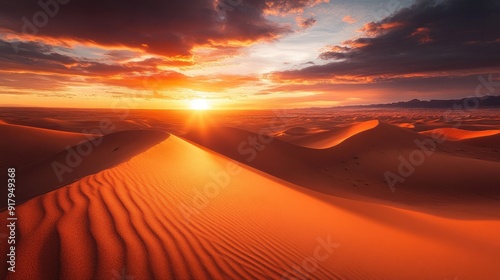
355	168
153	217
81	160
328	139
23	145
455	134
492	142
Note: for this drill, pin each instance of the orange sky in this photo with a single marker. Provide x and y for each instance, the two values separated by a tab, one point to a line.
242	54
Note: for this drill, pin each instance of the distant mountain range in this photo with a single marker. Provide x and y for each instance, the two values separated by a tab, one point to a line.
486	101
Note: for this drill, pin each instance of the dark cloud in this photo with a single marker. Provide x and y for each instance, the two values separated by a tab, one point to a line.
289	6
305	23
42	58
31	51
165	27
453	37
32	56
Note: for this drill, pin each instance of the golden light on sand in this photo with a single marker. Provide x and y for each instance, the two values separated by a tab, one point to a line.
199	104
208	174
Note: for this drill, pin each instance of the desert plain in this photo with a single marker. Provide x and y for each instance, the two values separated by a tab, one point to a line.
341	193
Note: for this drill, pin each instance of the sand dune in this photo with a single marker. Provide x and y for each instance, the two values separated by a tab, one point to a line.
298	131
355	168
328	139
144	206
33	144
152	217
455	134
492	142
78	161
86	120
472	143
406	125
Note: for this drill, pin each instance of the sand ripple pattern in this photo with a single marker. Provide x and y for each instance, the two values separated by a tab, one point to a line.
124	223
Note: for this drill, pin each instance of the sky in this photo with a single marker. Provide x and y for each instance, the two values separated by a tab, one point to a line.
244	54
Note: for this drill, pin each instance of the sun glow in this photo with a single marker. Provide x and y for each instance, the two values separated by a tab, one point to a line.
199	104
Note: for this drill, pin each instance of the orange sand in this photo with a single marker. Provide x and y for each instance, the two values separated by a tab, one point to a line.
147	206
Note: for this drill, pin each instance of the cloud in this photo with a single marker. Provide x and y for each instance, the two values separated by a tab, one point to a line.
134	45
108	41
423	34
30	81
284	7
38	66
169	28
38	57
430	38
305	23
349	19
379	28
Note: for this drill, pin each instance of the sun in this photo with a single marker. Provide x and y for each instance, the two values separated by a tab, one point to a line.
199	104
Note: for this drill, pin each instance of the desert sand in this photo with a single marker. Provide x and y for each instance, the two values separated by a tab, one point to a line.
194	197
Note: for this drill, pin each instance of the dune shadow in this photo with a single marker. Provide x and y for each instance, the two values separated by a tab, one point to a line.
78	161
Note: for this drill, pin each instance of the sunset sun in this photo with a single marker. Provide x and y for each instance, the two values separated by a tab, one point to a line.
199	104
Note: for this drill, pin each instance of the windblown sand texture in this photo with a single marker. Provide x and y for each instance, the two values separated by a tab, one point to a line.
177	200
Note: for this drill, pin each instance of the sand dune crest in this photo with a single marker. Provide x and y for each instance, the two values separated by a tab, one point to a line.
455	134
328	139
